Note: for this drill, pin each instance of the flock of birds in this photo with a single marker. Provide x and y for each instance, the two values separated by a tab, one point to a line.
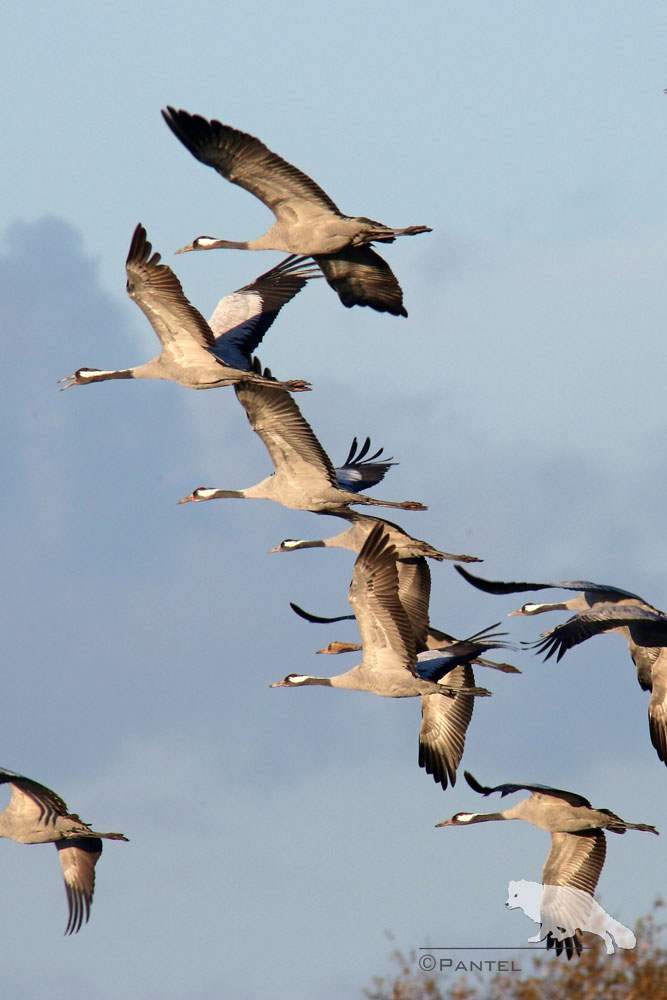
403	655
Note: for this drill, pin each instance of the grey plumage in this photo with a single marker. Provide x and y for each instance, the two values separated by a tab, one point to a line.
36	815
591	593
361	525
188	343
645	631
304	477
414	582
578	845
434	640
389	666
444	721
392	667
307	222
241	318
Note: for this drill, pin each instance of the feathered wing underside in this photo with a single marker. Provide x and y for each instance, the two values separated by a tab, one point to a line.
575	859
31	802
78	857
647	637
644	659
501	587
570	875
508	789
241	319
295	451
414	592
646	627
244	160
360	277
651	663
181	329
657	708
386	633
444	725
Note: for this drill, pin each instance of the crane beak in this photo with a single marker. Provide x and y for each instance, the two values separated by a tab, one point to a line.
277	549
445	822
69	383
511	614
339	647
187	499
279	684
190	246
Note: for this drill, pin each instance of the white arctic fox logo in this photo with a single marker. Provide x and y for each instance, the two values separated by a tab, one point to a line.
561	909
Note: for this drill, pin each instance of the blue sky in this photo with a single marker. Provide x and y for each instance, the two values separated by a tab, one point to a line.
276	836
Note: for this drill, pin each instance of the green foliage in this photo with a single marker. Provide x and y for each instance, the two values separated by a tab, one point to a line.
630	974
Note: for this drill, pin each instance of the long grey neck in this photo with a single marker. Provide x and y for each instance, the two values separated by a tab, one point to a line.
558	606
227	245
226	494
304	544
484	818
102	376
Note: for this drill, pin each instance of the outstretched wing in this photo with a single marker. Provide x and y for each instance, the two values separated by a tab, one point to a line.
361	471
657	707
575	859
78	857
181	329
244	160
317	619
647	628
414	587
31	801
414	592
287	435
386	633
444	725
242	318
360	277
501	587
508	789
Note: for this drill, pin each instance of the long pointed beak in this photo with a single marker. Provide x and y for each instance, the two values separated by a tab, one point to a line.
186	499
445	822
190	246
510	614
506	668
277	549
339	647
279	684
69	383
